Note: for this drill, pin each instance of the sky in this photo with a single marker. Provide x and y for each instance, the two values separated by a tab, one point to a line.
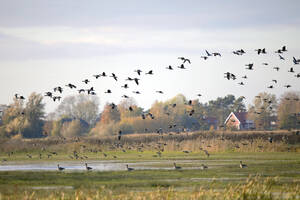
49	43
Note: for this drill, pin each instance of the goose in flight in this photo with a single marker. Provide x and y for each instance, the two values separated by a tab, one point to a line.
138	71
59	89
184	60
227	75
136	80
233	76
181	66
280	57
112	105
261	51
91	90
283	49
97	76
296	61
239	52
81	90
19	97
130	109
56	98
125	86
114	76
70	85
287	86
86	81
208	54
108	91
216	54
291	70
150	72
129	79
48	94
169	67
249	66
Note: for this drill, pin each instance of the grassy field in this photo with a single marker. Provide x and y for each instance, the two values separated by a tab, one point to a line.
273	170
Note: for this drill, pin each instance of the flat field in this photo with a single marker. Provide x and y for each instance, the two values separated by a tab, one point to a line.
272	172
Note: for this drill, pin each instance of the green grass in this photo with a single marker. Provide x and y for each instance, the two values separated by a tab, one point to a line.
223	173
273	168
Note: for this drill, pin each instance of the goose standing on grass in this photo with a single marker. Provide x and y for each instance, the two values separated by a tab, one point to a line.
60	168
87	167
176	167
203	167
129	168
242	165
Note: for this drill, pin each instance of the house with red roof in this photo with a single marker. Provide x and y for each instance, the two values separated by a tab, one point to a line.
239	121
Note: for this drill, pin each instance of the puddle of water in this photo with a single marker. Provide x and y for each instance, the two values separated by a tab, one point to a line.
98	166
218	179
52	187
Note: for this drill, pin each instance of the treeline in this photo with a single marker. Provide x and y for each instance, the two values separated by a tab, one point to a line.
79	115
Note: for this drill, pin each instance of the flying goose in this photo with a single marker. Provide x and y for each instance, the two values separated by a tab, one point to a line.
59	89
70	85
86	81
150	72
169	67
125	86
184	60
114	76
138	71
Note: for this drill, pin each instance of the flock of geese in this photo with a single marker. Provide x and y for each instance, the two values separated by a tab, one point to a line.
57	91
176	167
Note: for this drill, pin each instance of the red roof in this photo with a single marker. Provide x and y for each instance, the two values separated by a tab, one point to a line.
241	116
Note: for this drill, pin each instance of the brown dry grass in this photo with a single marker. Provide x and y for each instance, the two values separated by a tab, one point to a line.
212	141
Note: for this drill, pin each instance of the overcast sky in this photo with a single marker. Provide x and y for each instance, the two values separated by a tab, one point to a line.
49	43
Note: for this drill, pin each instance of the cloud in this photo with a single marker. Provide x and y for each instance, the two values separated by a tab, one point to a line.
59	42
